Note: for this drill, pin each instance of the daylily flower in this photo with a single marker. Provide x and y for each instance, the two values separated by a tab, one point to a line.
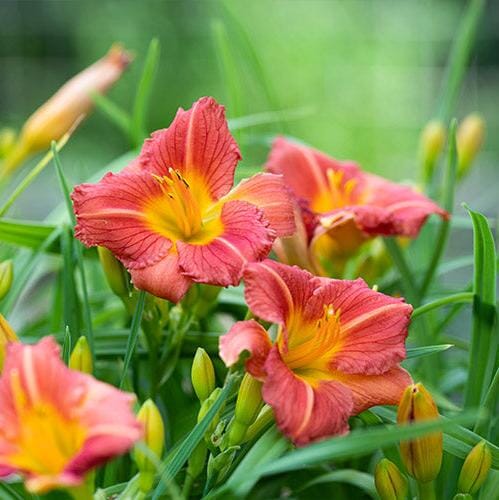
171	216
337	350
339	207
55	423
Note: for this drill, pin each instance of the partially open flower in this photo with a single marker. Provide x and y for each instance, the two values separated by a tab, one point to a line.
57	424
337	352
342	207
171	216
69	104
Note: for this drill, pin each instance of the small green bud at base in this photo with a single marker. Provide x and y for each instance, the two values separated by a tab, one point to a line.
6	277
462	496
116	275
197	460
475	469
389	481
81	357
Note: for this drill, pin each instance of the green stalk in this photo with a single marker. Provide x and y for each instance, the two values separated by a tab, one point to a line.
398	258
426	491
458	298
448	204
482	425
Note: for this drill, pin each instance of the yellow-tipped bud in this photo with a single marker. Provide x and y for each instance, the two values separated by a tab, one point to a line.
390	483
116	274
202	374
248	406
81	357
470	137
6	277
7	141
431	145
69	104
422	457
475	469
154	439
7	335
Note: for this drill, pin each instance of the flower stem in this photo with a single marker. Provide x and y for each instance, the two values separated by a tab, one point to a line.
426	491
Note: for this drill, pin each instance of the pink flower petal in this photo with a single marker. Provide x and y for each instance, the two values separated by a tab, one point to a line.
198	144
305	412
111	214
163	279
268	192
246	238
373	390
276	292
247	336
304	168
373	326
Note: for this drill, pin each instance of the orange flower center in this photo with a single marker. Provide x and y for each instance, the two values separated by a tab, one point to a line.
184	211
45	440
336	192
311	347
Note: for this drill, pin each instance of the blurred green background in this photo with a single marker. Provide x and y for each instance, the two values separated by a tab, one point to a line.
365	74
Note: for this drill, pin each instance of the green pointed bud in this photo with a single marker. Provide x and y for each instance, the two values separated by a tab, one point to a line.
202	374
154	439
218	466
390	483
81	357
462	496
7	335
6	277
265	417
475	469
116	275
205	408
422	457
248	405
470	137
431	145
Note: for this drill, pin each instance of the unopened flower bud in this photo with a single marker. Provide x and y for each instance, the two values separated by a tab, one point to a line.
265	417
7	335
248	405
69	104
81	357
462	496
470	137
154	439
202	374
205	408
197	460
390	483
218	466
116	275
431	145
475	469
422	457
7	141
6	276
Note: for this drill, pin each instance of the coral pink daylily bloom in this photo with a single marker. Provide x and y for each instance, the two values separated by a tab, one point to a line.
339	206
172	218
337	352
55	423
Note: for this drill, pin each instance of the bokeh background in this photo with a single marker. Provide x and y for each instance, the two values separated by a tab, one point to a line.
363	75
